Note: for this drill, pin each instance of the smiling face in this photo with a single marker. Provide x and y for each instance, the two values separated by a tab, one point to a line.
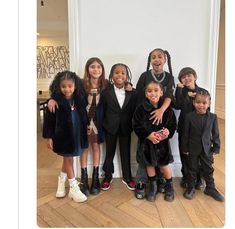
188	80
95	70
119	76
201	103
67	88
158	59
153	92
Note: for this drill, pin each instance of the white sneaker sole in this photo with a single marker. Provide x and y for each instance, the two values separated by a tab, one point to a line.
60	195
105	189
124	182
80	200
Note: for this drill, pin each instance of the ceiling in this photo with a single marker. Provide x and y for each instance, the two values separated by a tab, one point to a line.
52	18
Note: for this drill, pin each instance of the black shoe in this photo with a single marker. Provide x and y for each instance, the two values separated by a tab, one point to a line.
140	191
214	193
188	194
152	192
84	182
183	183
95	185
161	185
200	184
169	191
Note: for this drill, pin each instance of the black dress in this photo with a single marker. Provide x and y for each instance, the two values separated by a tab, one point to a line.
149	153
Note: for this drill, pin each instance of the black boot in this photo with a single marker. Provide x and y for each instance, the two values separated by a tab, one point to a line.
152	192
84	182
169	191
140	191
161	185
95	185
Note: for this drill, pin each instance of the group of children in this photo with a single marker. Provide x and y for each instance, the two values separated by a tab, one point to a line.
93	110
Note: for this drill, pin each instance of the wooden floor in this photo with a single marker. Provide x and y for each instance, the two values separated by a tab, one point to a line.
118	207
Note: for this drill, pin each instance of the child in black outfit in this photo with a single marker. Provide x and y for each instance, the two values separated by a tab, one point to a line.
200	141
184	95
154	149
119	106
66	129
157	59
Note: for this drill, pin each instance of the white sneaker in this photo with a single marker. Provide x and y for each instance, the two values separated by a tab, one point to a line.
75	193
61	187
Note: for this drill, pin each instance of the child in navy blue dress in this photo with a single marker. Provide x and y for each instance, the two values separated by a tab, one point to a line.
200	141
66	129
154	148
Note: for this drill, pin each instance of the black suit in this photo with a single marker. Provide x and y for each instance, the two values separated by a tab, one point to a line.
117	123
201	140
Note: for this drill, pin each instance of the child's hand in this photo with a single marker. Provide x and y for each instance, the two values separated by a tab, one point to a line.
50	143
128	86
165	131
154	138
52	104
157	116
192	94
180	85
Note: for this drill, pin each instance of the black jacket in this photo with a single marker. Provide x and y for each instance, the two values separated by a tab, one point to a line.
117	118
193	140
184	103
58	125
147	152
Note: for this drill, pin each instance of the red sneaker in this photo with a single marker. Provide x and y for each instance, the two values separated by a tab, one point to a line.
131	185
105	184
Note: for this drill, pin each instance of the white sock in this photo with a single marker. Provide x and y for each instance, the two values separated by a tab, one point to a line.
63	175
72	181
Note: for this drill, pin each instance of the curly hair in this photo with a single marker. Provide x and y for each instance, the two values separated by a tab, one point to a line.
66	75
87	76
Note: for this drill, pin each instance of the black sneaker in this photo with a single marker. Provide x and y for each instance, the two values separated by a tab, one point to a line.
214	193
140	191
200	184
188	194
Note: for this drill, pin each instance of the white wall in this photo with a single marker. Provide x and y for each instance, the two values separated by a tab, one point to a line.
127	30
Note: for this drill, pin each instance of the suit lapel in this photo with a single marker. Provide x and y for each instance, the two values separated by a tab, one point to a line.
113	96
127	99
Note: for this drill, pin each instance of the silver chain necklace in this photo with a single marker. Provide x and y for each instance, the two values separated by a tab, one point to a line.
155	77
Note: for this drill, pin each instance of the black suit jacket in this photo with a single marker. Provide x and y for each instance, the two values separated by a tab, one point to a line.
193	140
117	118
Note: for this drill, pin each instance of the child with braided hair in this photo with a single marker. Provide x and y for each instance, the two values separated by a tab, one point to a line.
157	59
119	106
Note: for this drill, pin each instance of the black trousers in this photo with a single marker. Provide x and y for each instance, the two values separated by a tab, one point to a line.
124	146
206	166
184	163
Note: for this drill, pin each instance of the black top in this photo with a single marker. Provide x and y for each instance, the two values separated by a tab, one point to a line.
184	102
146	77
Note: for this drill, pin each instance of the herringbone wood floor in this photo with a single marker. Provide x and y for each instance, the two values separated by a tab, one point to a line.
118	207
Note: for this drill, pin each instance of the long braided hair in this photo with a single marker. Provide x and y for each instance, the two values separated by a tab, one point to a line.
129	75
167	57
